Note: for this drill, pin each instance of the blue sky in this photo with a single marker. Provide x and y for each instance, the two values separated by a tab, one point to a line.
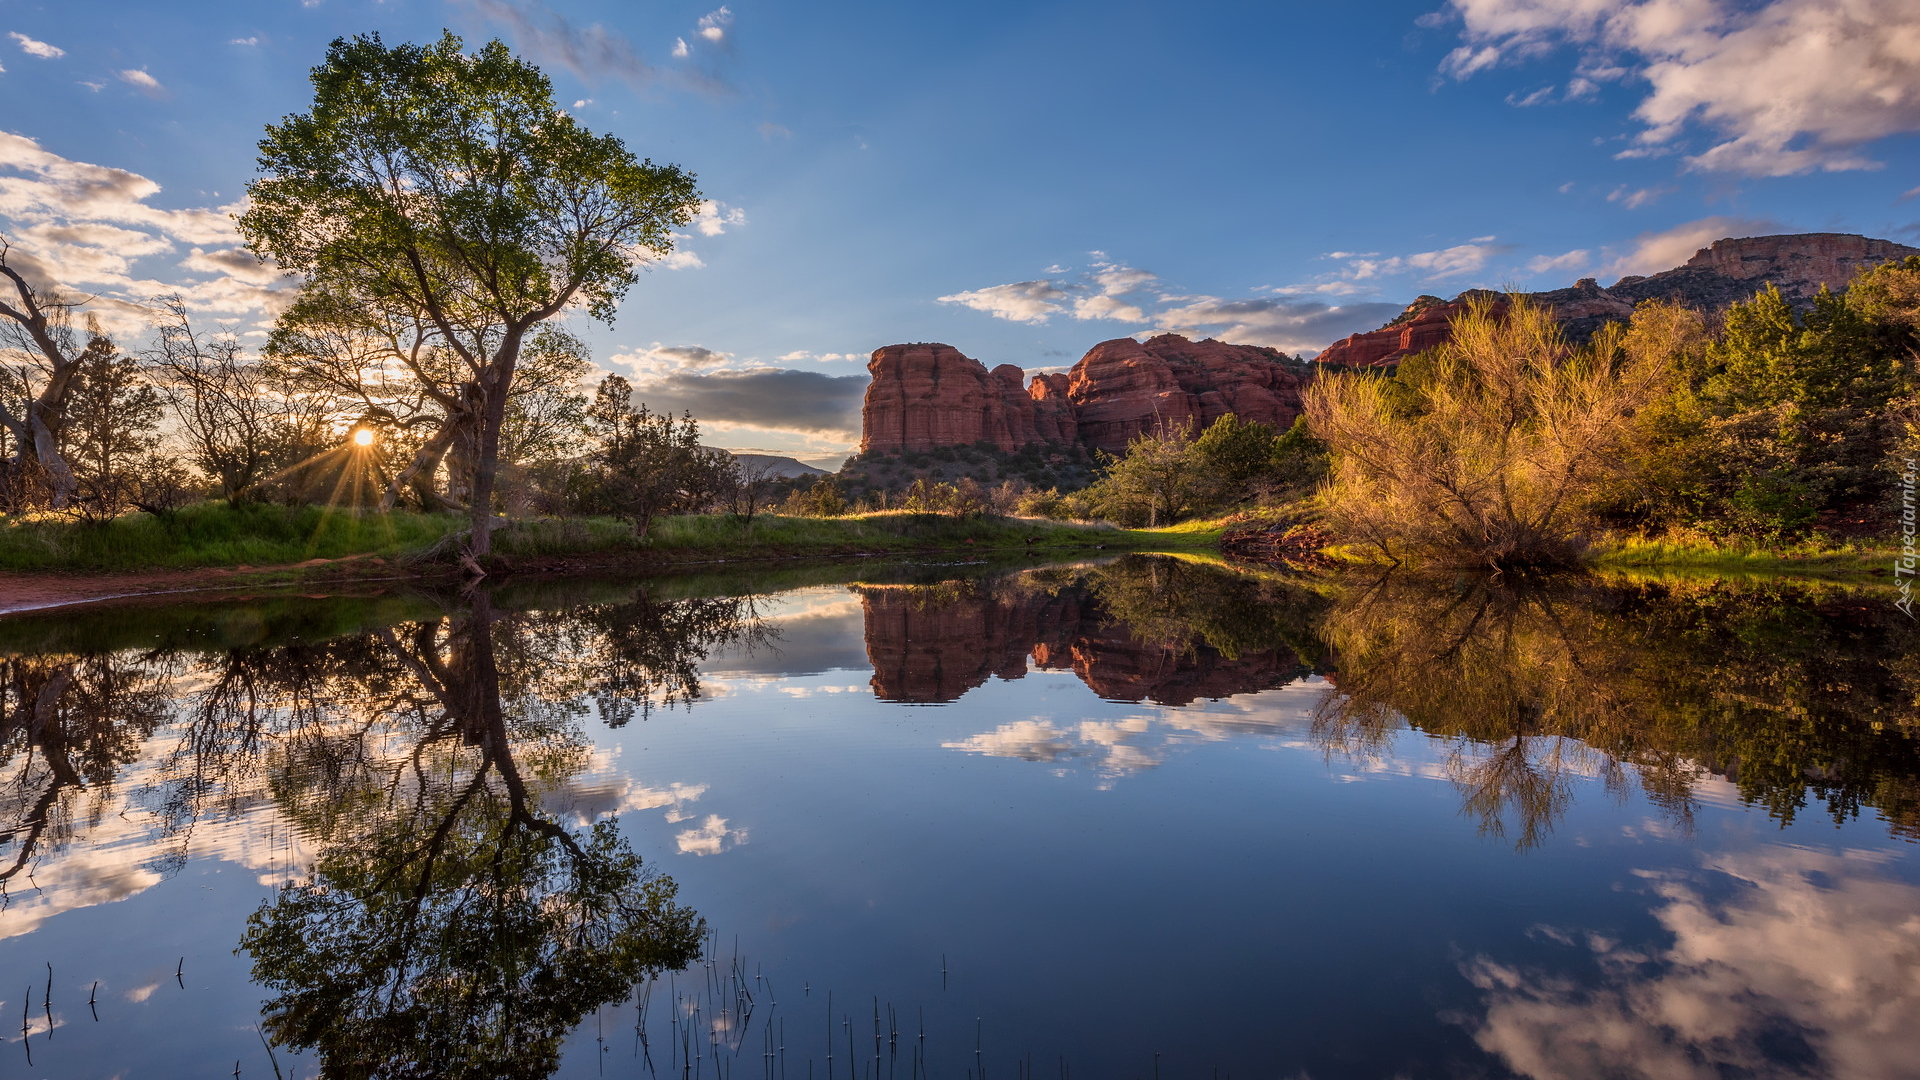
1020	180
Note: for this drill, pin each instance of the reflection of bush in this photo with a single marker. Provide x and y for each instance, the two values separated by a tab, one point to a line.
1788	697
1176	603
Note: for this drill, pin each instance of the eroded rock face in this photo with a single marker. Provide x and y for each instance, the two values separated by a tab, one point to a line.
1123	388
929	395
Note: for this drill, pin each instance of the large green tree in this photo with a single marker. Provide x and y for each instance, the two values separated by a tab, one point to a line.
427	180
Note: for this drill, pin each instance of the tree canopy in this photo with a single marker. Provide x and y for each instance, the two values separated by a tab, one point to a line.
445	188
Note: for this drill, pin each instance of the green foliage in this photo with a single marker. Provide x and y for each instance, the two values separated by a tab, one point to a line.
645	464
1167	474
448	190
1781	421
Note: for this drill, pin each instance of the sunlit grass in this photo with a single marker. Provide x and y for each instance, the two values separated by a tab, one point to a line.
215	534
1806	558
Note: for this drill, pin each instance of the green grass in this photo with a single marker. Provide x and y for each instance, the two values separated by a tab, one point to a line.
705	537
1807	559
214	534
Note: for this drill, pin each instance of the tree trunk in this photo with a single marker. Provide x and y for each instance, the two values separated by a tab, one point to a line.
497	382
424	462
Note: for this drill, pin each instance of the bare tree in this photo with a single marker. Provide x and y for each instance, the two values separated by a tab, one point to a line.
752	488
36	323
226	411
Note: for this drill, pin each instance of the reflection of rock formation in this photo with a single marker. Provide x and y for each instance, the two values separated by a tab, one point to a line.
931	644
1805	966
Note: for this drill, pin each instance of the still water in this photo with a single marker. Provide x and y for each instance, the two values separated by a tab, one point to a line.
1140	818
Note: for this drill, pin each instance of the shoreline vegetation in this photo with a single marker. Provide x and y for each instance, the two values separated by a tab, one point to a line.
213	545
261	537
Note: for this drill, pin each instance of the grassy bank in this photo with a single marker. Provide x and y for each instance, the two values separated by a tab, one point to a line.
215	535
1853	562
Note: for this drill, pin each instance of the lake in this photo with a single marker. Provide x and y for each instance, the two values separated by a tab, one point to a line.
1149	817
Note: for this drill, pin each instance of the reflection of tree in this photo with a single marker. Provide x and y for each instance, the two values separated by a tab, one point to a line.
646	653
451	928
68	724
1539	682
1178	603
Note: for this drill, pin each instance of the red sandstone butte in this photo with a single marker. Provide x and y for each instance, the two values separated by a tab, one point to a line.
929	395
1123	387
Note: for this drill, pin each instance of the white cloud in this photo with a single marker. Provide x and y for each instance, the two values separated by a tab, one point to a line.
1280	323
1572	260
711	838
659	358
713	218
583	103
1656	251
1019	301
1635	198
1107	307
244	41
96	87
683	260
680	48
89	229
1430	265
713	25
1789	947
37	48
799	355
1786	86
143	82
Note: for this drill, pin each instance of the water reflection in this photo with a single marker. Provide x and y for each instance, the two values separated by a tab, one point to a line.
450	926
1794	696
1782	962
429	782
1152	629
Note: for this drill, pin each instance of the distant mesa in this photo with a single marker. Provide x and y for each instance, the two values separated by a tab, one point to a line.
926	395
1715	278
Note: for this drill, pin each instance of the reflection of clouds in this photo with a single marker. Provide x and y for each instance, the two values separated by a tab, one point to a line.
1805	963
711	838
1130	744
1028	740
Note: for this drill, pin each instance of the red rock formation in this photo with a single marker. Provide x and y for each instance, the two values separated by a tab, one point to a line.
929	395
1799	264
1053	417
1123	387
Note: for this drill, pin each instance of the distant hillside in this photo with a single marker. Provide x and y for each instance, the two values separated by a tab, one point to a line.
776	465
1717	276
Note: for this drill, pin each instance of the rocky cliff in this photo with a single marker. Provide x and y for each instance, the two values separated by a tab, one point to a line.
929	395
1717	276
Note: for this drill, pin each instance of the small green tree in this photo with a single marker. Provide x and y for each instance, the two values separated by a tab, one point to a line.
1155	483
112	417
645	464
450	187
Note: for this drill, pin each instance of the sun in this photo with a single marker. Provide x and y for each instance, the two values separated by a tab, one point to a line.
363	437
